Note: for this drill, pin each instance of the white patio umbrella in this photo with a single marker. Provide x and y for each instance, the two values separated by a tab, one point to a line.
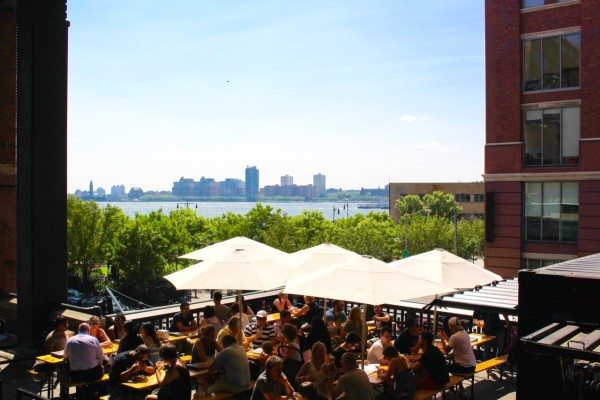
240	269
317	257
444	268
363	280
224	248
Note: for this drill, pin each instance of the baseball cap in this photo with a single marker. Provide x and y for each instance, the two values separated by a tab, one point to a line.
261	314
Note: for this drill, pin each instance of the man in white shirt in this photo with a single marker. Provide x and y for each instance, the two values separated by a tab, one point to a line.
375	355
460	344
85	356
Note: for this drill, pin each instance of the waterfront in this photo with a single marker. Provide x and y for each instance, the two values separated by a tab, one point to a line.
213	209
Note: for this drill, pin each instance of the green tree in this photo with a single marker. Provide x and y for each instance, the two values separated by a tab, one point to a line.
92	233
409	204
441	204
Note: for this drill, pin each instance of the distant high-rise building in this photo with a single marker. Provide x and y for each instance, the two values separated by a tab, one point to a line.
319	184
287	180
251	183
118	190
91	188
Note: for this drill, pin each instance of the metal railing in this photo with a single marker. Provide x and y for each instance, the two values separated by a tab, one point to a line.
23	394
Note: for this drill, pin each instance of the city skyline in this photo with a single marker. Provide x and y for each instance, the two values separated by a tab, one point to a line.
376	93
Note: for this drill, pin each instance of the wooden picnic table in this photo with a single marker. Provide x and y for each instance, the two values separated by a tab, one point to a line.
273	317
151	382
54	357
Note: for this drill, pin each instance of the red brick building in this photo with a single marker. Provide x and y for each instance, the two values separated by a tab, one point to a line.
542	153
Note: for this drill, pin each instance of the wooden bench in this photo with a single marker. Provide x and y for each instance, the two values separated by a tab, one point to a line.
425	394
227	395
485	366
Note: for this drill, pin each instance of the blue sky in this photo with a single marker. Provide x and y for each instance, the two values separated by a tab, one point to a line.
365	92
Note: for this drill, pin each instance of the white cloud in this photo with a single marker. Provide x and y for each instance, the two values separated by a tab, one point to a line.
409	119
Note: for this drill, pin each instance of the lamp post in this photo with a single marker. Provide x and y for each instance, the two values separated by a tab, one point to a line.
455	234
187	204
345	206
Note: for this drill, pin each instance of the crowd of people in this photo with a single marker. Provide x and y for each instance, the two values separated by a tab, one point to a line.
309	352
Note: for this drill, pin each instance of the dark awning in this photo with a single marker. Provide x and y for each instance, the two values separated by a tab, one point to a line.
565	340
498	297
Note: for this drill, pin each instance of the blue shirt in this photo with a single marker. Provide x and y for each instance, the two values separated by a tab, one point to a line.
83	352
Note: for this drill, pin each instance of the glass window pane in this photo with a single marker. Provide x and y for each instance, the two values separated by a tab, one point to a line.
551	62
551	211
569	211
533	210
532	3
570	60
533	137
551	136
532	66
570	135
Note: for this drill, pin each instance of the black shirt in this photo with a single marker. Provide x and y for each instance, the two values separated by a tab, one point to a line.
129	343
314	311
121	363
405	341
434	363
186	321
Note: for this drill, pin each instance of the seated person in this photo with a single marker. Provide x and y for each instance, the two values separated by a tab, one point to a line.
460	344
150	339
282	303
57	339
375	354
431	369
335	316
222	311
232	366
490	325
235	310
318	370
309	310
174	380
99	333
131	340
354	323
406	341
117	331
354	383
272	384
284	317
291	343
318	333
380	318
259	331
233	328
209	317
351	344
183	321
307	391
128	365
206	347
85	356
398	373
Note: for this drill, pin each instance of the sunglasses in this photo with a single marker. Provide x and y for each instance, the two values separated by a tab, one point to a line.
94	323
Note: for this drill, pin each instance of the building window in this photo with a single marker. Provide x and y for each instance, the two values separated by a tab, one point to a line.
531	3
462	197
552	136
551	62
551	211
478	197
533	263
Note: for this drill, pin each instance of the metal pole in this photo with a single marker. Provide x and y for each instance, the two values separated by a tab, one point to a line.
363	344
455	234
240	304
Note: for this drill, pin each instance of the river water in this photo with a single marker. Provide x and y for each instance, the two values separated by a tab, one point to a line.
213	209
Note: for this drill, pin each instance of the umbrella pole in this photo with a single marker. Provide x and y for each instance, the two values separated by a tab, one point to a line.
325	310
240	304
435	317
363	345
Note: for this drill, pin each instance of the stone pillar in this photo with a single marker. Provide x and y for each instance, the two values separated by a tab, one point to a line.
42	48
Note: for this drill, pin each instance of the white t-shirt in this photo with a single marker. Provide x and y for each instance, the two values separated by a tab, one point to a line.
375	352
462	349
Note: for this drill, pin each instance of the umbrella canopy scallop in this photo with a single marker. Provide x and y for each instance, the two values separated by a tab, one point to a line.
445	268
363	280
224	248
239	270
317	257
